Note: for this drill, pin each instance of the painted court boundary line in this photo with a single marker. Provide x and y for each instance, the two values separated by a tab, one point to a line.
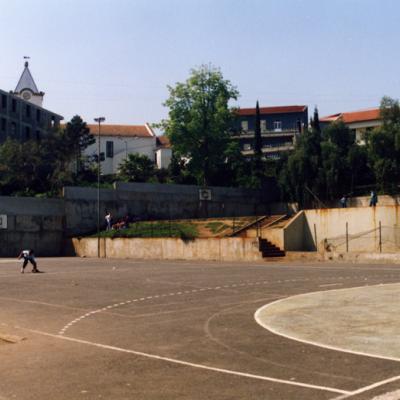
368	388
318	344
184	292
276	332
189	364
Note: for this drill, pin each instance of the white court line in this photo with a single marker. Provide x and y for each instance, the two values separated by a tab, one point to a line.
367	388
189	364
313	343
66	327
331	284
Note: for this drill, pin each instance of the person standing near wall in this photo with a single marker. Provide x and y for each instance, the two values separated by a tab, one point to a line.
374	199
108	220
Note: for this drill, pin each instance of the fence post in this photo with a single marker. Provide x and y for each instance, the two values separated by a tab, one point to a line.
380	237
315	237
347	237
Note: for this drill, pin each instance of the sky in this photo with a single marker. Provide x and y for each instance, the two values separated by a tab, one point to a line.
115	58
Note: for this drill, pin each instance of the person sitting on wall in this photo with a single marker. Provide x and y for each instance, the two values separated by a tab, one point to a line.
121	224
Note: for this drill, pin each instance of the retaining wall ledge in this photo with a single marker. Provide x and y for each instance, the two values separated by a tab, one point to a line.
223	249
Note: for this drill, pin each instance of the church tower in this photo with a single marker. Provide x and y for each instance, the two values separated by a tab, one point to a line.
27	89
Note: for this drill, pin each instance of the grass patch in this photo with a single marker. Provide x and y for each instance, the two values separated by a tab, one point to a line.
146	229
216	226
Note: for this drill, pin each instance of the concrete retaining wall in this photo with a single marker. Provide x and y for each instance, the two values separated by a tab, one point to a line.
225	249
325	230
32	223
155	201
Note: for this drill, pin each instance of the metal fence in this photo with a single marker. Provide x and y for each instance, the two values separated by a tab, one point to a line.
383	239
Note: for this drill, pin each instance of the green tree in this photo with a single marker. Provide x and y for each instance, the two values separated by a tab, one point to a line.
200	121
30	167
302	174
45	166
384	147
178	171
76	138
335	148
136	168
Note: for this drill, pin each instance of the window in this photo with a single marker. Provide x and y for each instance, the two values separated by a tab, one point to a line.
13	128
38	115
277	126
245	125
263	124
28	111
3	124
14	105
3	101
27	133
110	149
246	146
38	138
52	121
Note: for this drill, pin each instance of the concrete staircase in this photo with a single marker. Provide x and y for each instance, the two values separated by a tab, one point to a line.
269	250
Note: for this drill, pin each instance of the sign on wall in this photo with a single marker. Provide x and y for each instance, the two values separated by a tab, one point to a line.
3	221
205	194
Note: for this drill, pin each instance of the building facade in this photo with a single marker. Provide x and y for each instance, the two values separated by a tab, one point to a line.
359	122
118	141
279	128
22	116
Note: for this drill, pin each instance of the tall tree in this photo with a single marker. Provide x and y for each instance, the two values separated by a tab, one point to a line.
302	177
136	168
384	147
315	121
77	138
258	167
257	134
200	121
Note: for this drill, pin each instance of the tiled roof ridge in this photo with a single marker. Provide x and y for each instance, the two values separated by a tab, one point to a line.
142	130
273	109
366	114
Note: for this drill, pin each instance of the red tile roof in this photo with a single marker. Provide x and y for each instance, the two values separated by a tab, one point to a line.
272	110
163	141
121	130
372	114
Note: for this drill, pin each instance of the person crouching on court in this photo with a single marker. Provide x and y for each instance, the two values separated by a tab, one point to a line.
28	256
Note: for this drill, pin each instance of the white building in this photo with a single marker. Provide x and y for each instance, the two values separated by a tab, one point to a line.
360	122
163	152
117	141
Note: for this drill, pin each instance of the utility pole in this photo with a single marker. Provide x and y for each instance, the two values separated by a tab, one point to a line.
99	120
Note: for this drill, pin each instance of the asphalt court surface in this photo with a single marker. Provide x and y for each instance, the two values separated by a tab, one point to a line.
128	329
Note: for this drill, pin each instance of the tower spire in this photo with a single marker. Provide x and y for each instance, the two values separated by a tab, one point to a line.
26	87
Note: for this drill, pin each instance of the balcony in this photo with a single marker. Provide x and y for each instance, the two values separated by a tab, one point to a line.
272	148
266	134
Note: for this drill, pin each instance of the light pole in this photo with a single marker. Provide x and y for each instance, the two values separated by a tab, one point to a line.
99	120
